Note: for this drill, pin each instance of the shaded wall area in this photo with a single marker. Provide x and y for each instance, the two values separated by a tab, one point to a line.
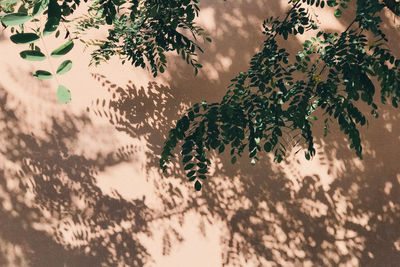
59	208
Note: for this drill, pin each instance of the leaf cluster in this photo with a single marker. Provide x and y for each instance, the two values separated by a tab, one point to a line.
28	12
142	32
266	108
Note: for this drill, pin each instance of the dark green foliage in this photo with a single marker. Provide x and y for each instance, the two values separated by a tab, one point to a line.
24	38
42	75
143	34
265	106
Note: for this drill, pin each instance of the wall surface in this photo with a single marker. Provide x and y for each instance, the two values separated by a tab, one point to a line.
80	183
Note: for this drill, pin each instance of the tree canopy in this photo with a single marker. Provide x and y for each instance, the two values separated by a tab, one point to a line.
268	108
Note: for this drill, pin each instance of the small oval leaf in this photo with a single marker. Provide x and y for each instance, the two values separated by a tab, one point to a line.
63	94
64	67
15	19
32	55
62	50
43	75
338	13
267	147
24	38
197	186
38	7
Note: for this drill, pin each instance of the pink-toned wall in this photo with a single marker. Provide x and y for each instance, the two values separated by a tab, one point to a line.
80	183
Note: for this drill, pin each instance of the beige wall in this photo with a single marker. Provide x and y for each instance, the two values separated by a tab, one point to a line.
80	184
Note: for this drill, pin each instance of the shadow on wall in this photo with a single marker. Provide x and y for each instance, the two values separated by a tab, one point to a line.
53	213
269	217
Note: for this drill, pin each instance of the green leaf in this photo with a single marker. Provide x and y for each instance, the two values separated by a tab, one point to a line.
9	2
189	166
43	75
313	118
54	9
338	13
186	159
63	94
15	19
197	186
190	174
62	50
267	147
64	67
24	38
39	7
51	25
233	160
221	148
32	55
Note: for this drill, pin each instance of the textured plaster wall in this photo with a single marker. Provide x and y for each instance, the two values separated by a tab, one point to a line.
80	184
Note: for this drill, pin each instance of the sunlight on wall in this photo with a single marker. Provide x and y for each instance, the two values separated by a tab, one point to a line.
101	198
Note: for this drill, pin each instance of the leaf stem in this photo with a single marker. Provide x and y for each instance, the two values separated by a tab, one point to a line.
48	57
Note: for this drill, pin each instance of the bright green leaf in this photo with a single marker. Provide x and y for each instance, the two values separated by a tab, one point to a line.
338	13
63	94
9	2
62	50
64	67
15	19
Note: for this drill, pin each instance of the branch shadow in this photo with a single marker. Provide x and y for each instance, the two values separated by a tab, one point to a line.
52	208
270	218
52	200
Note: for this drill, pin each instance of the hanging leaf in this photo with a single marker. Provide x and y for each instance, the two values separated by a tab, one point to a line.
43	75
62	50
15	19
63	94
22	10
197	185
54	9
32	55
64	67
24	38
51	25
39	7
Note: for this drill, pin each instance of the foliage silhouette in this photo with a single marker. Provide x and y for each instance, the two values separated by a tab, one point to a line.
271	219
64	187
